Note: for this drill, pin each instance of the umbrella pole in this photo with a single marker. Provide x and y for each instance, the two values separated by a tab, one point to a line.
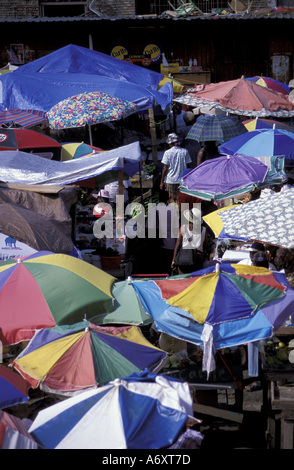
141	183
152	126
90	134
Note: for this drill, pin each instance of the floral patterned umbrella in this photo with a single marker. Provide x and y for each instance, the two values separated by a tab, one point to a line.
88	108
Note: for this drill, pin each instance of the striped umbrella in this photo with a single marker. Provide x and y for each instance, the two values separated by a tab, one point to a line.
257	123
270	83
68	359
142	411
48	289
73	150
219	128
220	306
23	117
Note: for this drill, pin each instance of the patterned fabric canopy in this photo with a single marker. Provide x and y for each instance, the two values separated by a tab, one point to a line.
269	219
88	108
218	128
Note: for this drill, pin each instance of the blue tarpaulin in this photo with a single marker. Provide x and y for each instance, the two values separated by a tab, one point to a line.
77	59
73	70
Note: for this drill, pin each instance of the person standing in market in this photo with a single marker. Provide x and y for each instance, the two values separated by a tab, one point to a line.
208	152
175	161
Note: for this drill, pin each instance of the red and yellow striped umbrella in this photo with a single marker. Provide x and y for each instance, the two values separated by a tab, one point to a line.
47	289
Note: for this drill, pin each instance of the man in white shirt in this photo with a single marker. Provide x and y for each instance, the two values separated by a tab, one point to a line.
175	161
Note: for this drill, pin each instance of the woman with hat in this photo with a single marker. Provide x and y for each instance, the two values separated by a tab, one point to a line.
175	161
188	252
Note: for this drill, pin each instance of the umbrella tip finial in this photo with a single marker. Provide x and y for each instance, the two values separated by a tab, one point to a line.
129	280
217	268
18	260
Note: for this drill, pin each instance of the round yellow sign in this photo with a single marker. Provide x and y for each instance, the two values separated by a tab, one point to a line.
119	52
152	51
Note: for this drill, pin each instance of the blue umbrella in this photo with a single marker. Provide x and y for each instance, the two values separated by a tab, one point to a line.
142	411
261	143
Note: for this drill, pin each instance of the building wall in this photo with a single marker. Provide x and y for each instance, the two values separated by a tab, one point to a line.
221	46
19	8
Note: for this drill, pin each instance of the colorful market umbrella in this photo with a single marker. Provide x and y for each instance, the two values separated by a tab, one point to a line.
127	308
48	289
218	307
257	123
28	141
224	177
142	411
88	109
240	97
262	142
268	219
13	388
219	128
68	359
74	150
270	83
25	118
14	434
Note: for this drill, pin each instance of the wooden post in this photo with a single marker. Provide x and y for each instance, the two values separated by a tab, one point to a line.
152	126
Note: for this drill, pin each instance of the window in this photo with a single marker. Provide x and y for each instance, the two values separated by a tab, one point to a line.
55	8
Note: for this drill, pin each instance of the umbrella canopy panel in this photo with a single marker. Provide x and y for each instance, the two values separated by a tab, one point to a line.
13	388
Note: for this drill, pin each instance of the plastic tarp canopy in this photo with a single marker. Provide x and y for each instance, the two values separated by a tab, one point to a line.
18	167
71	74
77	59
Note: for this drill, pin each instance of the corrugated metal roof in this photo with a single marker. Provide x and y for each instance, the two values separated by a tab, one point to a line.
155	18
